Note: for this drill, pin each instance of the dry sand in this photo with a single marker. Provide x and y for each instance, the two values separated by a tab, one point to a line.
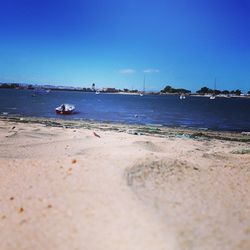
69	189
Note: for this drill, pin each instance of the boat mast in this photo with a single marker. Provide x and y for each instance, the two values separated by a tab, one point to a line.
144	83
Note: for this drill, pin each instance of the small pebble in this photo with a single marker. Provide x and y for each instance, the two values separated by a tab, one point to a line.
73	161
21	210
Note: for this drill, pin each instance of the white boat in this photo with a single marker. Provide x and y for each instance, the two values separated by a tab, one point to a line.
65	109
212	97
182	96
97	92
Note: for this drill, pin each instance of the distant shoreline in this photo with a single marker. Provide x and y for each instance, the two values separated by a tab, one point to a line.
135	93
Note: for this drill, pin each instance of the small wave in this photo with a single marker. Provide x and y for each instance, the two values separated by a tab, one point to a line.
154	125
13	108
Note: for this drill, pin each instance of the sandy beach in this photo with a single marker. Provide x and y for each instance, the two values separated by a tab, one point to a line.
83	185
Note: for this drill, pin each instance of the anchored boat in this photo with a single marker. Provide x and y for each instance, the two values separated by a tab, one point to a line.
65	109
182	96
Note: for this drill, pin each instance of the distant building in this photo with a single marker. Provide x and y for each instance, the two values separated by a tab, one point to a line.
110	90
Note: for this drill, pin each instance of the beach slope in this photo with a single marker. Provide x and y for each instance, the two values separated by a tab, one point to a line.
89	188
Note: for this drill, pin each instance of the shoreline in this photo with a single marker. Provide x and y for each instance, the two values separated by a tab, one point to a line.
247	96
148	130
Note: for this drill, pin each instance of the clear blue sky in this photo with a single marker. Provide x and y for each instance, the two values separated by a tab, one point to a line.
185	43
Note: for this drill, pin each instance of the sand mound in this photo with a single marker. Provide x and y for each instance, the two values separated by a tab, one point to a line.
148	145
155	169
202	204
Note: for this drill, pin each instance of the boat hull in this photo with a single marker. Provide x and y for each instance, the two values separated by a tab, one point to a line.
68	112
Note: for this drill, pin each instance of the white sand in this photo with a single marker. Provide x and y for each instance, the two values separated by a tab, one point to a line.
68	189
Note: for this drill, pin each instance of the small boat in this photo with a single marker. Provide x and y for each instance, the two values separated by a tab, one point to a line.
182	96
65	109
97	92
212	97
40	91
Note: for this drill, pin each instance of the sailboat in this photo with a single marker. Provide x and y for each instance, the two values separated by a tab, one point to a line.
212	97
143	92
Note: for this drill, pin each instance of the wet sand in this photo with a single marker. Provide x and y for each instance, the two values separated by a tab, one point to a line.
83	185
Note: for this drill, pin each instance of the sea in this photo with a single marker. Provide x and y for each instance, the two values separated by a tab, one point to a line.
221	114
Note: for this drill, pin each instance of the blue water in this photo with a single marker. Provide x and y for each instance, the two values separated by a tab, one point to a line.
194	112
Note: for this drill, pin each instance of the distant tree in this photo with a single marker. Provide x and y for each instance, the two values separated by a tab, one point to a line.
5	85
184	91
204	90
238	92
217	92
126	90
248	92
14	85
10	85
169	89
225	92
134	91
